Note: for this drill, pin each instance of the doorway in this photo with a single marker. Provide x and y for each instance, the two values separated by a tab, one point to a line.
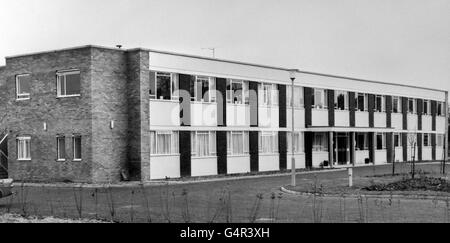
341	149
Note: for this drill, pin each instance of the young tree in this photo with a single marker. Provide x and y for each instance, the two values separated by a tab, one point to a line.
412	142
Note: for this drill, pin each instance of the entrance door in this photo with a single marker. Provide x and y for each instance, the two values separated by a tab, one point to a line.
342	147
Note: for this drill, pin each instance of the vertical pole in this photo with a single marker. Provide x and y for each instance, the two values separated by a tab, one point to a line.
294	167
352	148
330	149
350	177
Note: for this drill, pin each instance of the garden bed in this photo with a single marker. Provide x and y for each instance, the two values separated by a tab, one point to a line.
416	184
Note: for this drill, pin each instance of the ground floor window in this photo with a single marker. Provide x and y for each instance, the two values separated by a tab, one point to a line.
426	140
237	143
362	141
298	142
440	140
268	142
398	140
203	143
381	141
164	143
61	148
320	142
24	148
76	147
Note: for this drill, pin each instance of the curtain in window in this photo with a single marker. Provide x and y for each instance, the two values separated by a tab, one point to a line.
320	142
23	149
164	143
152	143
203	144
238	143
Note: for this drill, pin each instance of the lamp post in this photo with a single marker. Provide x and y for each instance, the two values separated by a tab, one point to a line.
293	74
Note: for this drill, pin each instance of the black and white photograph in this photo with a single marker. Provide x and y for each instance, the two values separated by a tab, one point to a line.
222	112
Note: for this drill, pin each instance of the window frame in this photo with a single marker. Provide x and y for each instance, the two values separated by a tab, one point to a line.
365	102
174	143
398	106
58	155
212	135
245	143
324	99
383	103
212	82
63	73
414	106
301	101
346	100
27	96
274	142
245	92
18	144
383	141
298	142
74	137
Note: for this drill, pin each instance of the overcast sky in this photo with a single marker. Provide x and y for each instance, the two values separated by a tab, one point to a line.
401	41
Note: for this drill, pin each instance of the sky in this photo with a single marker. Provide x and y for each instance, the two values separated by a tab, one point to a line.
401	41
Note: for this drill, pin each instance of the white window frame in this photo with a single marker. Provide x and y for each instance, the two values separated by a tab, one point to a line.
58	155
22	96
212	82
428	140
399	104
298	142
74	137
440	140
321	147
414	102
174	143
383	141
245	92
427	105
174	94
22	141
346	99
268	94
299	103
60	74
365	98
400	140
274	142
383	103
324	99
245	143
212	144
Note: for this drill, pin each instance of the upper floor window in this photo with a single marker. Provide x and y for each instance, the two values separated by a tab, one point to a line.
440	108
268	94
203	143
426	107
164	143
237	92
298	97
411	106
320	99
237	143
380	103
23	83
68	83
203	89
396	104
361	102
24	148
164	86
341	100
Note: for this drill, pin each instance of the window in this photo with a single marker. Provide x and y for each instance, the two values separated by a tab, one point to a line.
76	147
426	140
298	142
362	141
440	108
398	140
268	142
164	143
341	100
61	148
24	148
203	144
381	141
164	86
380	103
411	106
68	83
319	99
237	143
440	140
237	92
298	97
396	104
320	143
361	102
426	107
23	83
268	95
203	89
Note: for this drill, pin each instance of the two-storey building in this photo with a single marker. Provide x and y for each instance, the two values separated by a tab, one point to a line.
96	114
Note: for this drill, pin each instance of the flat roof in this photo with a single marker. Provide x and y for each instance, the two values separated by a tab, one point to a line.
227	61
